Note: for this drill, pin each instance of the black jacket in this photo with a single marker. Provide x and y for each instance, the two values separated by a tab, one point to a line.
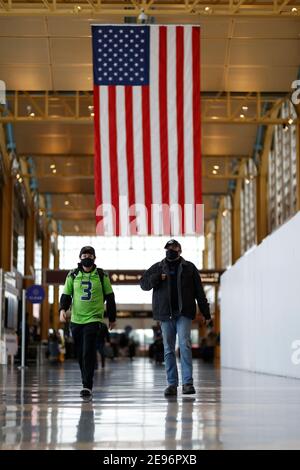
189	289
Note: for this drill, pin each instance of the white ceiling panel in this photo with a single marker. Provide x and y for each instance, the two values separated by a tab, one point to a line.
24	51
24	77
70	77
261	79
71	51
265	52
213	51
22	26
270	28
212	78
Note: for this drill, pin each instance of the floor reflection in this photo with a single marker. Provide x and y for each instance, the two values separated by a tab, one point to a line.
42	409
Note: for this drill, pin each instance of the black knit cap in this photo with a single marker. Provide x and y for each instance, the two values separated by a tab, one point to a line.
87	250
172	242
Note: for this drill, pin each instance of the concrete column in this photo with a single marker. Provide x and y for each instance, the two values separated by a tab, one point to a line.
6	224
56	294
298	161
218	240
45	305
217	325
30	233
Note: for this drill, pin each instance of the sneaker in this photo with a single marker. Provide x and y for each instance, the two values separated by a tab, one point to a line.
188	389
170	391
86	392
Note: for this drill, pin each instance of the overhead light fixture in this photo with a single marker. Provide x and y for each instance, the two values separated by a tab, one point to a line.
214	172
92	114
207	8
290	121
294	10
77	9
54	170
29	111
245	108
214	117
91	107
67	203
142	17
52	166
216	167
242	116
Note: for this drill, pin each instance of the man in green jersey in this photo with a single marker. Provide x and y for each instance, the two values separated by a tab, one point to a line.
87	288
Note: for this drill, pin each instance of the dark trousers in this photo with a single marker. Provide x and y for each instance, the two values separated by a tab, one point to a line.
85	337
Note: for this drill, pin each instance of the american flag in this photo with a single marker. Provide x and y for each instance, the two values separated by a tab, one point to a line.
147	129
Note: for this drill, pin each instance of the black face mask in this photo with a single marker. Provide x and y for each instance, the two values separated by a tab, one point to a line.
87	262
172	255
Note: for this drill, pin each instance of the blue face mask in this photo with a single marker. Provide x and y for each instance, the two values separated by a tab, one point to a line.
172	255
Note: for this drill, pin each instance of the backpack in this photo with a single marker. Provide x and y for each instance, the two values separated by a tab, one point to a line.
100	272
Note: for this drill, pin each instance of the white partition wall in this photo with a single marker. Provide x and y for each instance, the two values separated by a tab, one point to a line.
260	306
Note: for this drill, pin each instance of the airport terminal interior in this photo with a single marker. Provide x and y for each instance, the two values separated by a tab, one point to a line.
239	111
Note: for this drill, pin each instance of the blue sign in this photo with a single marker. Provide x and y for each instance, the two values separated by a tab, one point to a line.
35	294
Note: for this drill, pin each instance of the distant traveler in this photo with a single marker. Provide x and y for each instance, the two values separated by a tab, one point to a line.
176	284
88	287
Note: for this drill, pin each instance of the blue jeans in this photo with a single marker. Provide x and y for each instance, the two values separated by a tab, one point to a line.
182	327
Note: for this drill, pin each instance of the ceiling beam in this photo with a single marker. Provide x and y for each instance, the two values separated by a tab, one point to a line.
159	8
86	155
223	108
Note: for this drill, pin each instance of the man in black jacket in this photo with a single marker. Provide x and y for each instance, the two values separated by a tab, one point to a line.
176	285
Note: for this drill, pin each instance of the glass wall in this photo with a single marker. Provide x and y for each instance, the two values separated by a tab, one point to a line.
248	207
127	253
282	174
226	233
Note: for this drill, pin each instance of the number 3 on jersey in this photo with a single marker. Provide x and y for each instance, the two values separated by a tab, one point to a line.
87	290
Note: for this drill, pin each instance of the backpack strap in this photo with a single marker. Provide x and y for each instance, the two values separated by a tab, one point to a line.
101	275
74	273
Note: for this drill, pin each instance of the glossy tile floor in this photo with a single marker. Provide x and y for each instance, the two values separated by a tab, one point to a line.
231	410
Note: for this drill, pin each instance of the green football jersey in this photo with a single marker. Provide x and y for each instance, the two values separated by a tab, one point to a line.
87	296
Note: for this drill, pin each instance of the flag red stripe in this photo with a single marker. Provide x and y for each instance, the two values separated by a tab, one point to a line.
129	144
180	116
147	152
196	115
114	180
163	112
97	157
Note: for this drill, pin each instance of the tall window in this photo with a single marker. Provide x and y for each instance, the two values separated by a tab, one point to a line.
282	174
210	241
248	207
226	234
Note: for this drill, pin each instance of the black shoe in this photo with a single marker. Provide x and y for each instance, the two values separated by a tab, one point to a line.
170	391
86	392
188	389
